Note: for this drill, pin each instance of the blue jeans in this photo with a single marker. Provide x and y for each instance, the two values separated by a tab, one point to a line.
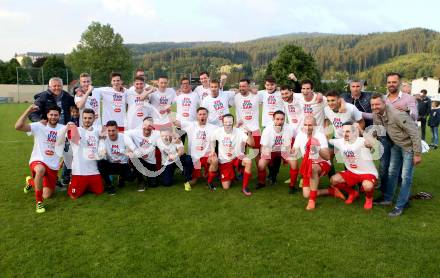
400	159
167	175
384	162
434	131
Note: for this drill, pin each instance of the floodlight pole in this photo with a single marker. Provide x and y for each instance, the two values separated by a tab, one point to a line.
18	86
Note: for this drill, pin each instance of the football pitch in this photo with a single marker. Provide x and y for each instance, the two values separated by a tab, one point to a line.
167	232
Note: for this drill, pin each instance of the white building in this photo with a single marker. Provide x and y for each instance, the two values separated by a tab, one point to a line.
429	84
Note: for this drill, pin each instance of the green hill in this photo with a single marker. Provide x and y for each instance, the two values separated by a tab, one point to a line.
349	54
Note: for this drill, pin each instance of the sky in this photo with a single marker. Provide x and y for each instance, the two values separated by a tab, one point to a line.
55	26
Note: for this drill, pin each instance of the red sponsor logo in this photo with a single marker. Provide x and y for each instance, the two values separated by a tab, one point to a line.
140	114
248	118
186	114
49	152
117	110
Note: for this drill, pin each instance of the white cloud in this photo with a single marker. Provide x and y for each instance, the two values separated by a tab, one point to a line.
13	17
131	7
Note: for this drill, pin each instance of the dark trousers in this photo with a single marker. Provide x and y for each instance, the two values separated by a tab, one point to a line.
423	127
107	168
274	167
150	181
167	176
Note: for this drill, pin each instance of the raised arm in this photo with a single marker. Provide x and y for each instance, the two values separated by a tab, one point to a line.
22	124
82	100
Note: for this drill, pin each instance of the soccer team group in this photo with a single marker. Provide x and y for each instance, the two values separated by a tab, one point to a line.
111	135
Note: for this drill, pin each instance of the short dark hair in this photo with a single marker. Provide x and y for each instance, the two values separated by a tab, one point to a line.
114	74
184	79
148	118
270	79
394	74
424	91
307	81
278	112
73	107
245	80
139	78
214	81
202	108
286	87
228	115
377	95
89	111
53	107
333	93
204	72
347	123
140	69
112	123
162	76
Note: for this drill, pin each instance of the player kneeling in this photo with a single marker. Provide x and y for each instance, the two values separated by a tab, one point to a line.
312	145
357	158
276	143
231	146
173	155
199	134
46	153
84	142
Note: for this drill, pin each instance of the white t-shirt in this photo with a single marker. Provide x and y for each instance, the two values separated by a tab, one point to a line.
278	141
356	157
319	141
143	147
137	110
116	150
85	154
92	102
202	92
167	150
247	109
45	148
294	113
162	101
219	106
187	105
312	108
271	103
230	145
337	119
199	138
113	105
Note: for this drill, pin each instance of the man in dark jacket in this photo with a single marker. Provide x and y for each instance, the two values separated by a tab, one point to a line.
54	95
424	107
360	99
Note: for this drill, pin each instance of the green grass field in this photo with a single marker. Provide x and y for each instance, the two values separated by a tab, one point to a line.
172	233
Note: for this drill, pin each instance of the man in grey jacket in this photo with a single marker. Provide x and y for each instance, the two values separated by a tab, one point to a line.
405	152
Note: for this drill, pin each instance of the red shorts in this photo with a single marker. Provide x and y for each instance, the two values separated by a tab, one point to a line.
50	176
198	165
274	155
227	169
121	129
80	184
257	139
351	179
325	169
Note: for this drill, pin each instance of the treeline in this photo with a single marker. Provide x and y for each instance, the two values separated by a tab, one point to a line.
349	54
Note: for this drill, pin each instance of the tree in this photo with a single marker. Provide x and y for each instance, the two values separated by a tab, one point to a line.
8	72
54	67
290	59
39	62
26	62
100	51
